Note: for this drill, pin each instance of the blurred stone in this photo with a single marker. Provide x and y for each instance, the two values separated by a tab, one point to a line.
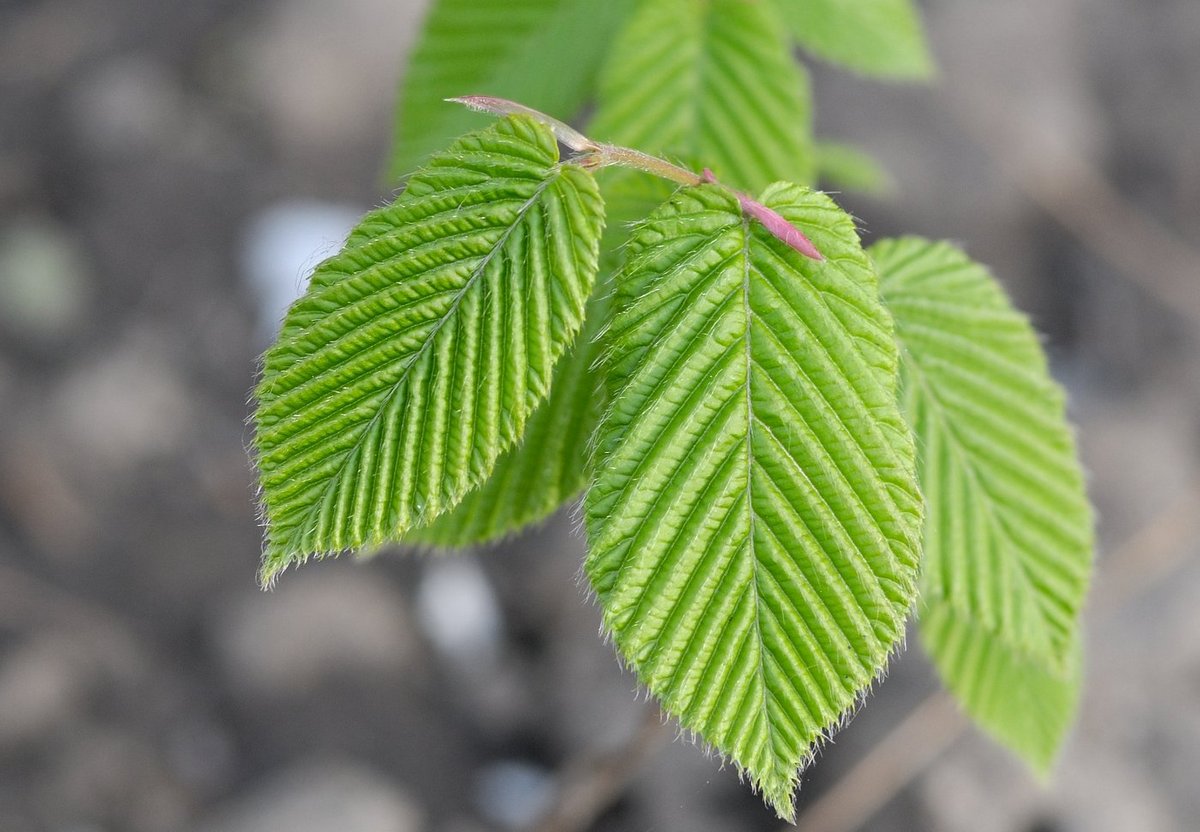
43	685
313	624
42	497
1145	66
684	780
1175	758
283	244
320	796
1097	790
113	778
325	73
44	40
457	610
201	754
462	825
980	787
994	58
595	702
127	107
48	680
44	280
513	793
8	383
124	406
1139	453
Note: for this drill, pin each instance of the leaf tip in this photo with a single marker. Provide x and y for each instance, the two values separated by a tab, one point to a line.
780	794
274	563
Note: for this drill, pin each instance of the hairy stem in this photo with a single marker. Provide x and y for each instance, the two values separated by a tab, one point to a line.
593	154
611	154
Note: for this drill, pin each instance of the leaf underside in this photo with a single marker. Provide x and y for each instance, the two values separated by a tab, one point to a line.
1019	701
713	81
1008	533
754	514
504	49
419	351
883	38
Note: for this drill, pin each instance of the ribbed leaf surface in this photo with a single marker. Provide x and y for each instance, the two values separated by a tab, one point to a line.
543	53
876	37
1008	540
711	80
754	516
550	464
1008	531
419	351
1016	699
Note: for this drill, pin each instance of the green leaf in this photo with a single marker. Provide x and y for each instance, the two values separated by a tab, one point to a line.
848	168
534	478
1008	531
1008	538
712	80
420	350
543	53
1022	704
754	517
550	464
875	37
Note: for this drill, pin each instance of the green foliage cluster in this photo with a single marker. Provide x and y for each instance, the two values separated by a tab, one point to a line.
781	456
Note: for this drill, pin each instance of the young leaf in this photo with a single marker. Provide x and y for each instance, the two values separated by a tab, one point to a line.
712	80
876	37
544	53
1008	531
550	464
546	468
754	517
419	351
848	168
1008	537
1018	700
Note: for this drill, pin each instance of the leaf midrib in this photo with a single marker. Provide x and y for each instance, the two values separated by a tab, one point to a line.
958	448
752	519
354	449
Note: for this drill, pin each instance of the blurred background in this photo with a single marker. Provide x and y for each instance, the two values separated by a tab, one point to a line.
170	171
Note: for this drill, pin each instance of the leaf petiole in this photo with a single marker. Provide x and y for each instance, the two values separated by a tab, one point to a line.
593	154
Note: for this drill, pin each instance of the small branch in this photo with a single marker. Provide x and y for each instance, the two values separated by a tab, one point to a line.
1085	203
592	785
611	154
892	763
595	154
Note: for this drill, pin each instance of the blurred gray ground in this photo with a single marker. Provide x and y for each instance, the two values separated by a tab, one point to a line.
169	169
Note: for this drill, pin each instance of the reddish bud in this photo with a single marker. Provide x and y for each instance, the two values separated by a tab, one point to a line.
779	227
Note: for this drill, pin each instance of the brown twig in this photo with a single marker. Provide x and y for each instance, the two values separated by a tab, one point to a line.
1081	199
591	785
891	764
1149	554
